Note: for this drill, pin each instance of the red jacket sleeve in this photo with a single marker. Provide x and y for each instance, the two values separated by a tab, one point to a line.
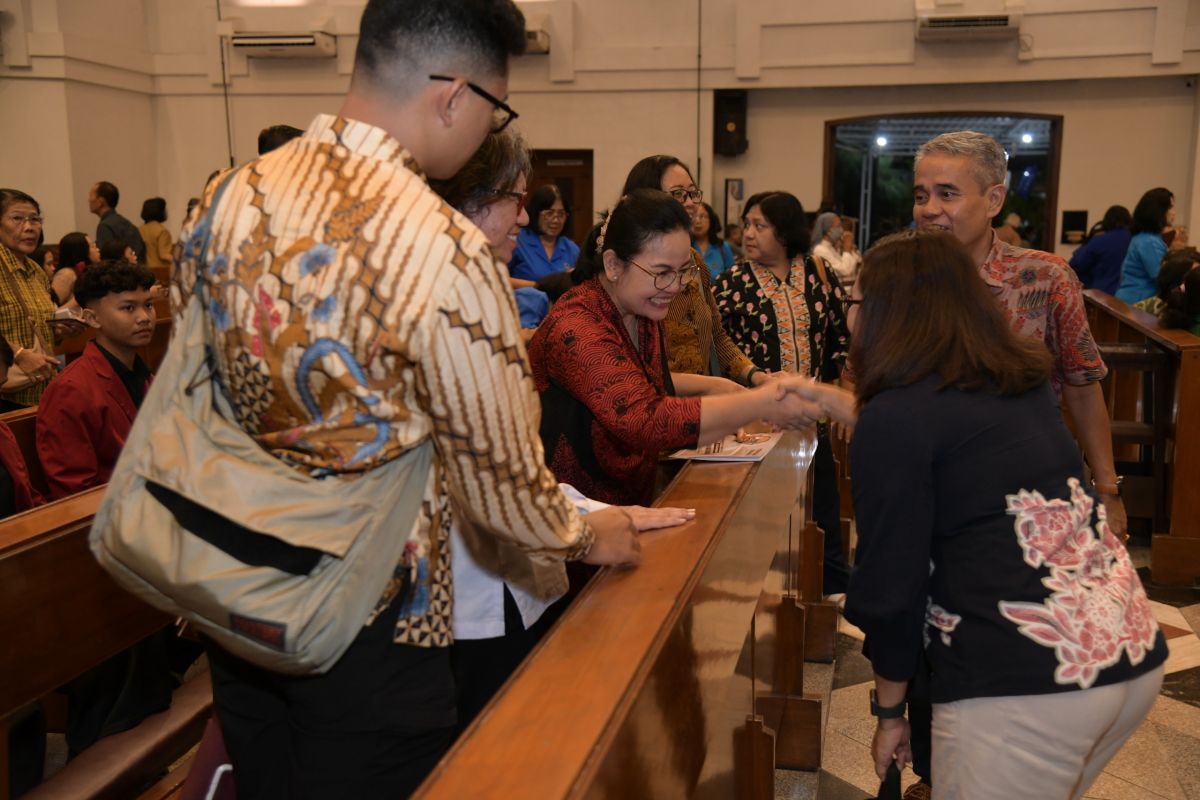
64	440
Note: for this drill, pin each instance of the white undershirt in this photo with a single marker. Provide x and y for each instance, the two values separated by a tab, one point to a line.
479	594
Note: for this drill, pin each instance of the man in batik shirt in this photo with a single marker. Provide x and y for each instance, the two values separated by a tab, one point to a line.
959	186
356	317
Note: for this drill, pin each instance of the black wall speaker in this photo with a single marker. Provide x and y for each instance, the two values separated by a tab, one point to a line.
729	122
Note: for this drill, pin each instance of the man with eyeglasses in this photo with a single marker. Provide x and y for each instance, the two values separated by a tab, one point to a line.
359	320
26	307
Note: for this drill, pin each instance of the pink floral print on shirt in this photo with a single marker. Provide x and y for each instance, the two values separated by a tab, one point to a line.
1098	608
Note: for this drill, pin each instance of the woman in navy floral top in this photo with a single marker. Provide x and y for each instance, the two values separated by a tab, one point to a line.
785	312
980	546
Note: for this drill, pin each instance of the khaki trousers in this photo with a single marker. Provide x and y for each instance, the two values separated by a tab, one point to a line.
1035	747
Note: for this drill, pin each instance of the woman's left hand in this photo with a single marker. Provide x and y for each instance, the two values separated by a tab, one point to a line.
648	519
1114	509
761	376
891	743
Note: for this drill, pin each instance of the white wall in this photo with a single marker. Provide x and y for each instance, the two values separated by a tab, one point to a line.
1120	137
131	90
35	149
620	127
192	139
112	139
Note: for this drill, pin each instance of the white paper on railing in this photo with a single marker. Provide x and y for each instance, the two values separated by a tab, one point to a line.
755	448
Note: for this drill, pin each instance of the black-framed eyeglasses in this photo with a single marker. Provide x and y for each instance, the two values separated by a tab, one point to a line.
502	112
520	197
665	280
687	194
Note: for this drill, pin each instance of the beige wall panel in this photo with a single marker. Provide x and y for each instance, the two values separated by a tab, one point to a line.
192	135
1120	137
112	139
621	127
35	149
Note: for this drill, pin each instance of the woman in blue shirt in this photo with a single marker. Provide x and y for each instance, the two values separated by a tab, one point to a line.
542	247
1153	216
1098	262
706	239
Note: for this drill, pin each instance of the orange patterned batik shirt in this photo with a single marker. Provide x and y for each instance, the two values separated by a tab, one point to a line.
357	315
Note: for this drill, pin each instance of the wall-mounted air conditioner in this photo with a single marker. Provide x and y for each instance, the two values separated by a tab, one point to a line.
317	44
968	20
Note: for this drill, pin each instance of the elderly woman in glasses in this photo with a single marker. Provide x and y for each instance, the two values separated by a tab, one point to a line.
543	247
490	190
609	402
25	305
787	313
504	602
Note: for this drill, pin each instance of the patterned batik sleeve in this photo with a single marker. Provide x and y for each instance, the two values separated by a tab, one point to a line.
734	363
837	348
476	386
1068	335
733	323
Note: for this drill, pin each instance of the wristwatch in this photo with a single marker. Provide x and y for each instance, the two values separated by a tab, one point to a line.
891	712
1109	488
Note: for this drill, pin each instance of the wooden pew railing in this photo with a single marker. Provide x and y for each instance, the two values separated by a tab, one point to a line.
1175	553
23	423
666	680
61	615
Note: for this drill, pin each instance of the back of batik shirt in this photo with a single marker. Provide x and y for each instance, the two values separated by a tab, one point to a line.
356	315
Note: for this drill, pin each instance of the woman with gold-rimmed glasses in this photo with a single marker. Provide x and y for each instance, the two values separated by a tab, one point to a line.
609	401
696	342
25	304
543	248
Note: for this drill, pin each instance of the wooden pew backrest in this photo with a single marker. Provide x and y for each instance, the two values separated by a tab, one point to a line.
60	613
1175	557
23	424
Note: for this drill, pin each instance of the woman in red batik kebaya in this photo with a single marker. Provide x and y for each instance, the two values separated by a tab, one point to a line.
609	405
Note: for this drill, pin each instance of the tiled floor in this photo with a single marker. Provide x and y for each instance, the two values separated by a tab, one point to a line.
1161	760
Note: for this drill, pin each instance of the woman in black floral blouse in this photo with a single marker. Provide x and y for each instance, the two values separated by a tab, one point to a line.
785	312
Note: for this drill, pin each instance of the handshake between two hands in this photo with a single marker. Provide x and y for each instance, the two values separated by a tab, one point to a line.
802	402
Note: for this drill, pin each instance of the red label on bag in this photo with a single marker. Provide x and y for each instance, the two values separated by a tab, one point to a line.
271	634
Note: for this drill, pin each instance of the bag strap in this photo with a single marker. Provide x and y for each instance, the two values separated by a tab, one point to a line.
203	289
206	225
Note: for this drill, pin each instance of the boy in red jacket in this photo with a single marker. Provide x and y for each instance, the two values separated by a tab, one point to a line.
85	413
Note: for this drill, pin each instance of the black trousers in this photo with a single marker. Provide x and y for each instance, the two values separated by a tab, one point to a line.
481	666
827	513
371	727
920	722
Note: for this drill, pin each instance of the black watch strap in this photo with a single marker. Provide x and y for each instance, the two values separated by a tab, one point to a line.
891	712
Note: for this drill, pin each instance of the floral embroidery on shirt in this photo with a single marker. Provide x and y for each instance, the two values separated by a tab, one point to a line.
1098	608
797	325
940	619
